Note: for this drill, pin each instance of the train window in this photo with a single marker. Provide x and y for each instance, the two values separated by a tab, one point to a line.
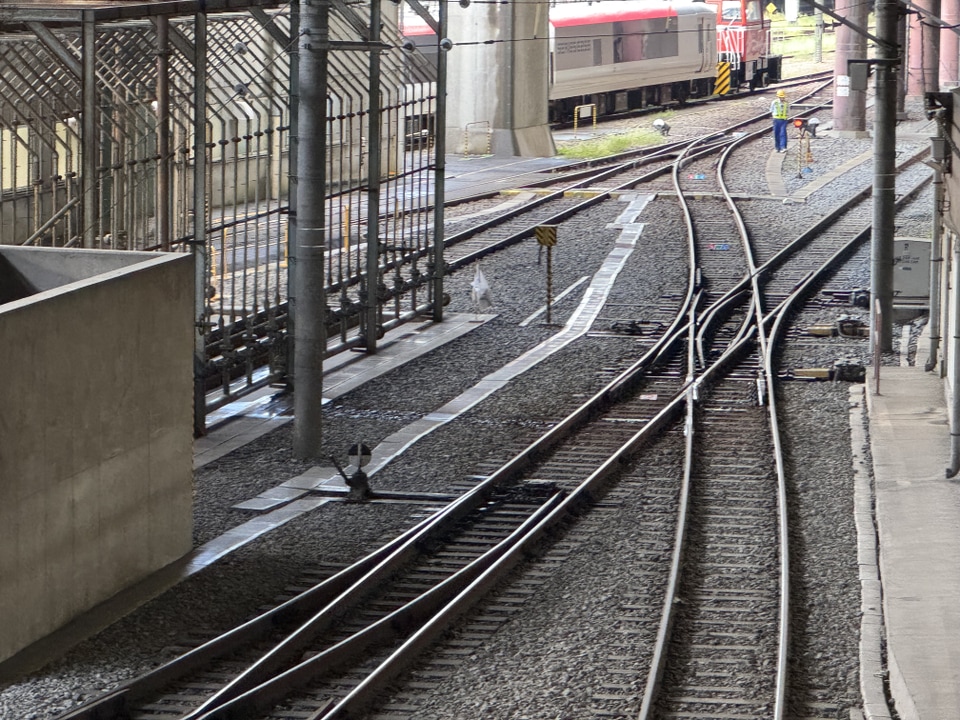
730	10
660	41
753	10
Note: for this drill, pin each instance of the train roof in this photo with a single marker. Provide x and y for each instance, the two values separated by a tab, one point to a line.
412	25
571	14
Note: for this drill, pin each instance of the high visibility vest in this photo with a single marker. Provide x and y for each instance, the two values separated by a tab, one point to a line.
780	108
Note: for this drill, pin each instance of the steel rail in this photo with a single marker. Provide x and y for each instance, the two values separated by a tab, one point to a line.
263	690
253	355
695	355
689	390
776	318
344	586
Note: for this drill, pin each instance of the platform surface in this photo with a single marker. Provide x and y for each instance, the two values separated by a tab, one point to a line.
918	522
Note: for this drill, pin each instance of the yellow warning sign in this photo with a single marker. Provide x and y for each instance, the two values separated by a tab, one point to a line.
721	85
546	235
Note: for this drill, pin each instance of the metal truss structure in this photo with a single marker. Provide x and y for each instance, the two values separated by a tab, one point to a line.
173	126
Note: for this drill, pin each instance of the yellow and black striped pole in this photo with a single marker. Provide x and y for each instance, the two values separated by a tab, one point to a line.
721	85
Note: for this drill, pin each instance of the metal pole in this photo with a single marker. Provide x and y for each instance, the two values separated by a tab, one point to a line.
200	220
884	183
878	320
818	36
163	211
90	140
294	141
372	301
946	356
549	283
901	76
310	341
439	172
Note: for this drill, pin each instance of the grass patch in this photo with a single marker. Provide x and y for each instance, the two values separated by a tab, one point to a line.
609	144
798	39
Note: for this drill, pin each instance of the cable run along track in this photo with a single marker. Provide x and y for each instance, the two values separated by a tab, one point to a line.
557	482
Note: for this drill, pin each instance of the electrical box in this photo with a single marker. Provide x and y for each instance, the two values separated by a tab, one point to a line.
859	72
911	271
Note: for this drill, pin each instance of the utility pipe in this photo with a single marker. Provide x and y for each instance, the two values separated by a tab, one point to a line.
955	370
936	268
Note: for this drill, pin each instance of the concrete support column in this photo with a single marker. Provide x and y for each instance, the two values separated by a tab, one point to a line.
849	106
923	43
949	44
496	56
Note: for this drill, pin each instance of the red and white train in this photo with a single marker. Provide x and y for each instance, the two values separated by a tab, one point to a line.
617	55
625	54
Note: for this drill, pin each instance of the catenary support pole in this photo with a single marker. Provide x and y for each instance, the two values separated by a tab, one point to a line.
884	182
294	141
200	220
89	135
164	212
310	340
371	302
440	152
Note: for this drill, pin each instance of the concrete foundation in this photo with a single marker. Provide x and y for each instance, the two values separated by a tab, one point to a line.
96	436
506	110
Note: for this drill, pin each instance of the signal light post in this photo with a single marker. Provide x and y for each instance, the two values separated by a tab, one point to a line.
547	237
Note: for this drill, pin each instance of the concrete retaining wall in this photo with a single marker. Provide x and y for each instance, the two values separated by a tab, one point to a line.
95	429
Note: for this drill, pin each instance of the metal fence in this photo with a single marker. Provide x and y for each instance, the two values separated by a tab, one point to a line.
100	111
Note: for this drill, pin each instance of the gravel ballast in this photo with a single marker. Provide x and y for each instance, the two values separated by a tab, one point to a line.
560	678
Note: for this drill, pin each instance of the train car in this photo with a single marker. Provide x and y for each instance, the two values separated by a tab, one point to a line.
743	46
621	54
616	55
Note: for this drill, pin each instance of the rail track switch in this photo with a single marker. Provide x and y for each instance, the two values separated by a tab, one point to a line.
358	482
845	371
822	330
844	326
842	371
848	326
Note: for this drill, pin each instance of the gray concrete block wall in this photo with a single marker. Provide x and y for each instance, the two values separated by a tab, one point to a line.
96	439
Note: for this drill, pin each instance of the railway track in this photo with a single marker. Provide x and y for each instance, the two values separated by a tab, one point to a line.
407	264
577	466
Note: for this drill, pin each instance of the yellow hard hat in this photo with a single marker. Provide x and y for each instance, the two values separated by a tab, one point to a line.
781	93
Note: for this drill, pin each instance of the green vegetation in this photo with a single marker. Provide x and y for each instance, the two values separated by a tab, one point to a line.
610	144
798	39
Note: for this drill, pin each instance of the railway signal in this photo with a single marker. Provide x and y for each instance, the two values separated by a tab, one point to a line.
547	238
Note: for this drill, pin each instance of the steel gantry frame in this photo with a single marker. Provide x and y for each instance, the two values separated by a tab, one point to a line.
101	109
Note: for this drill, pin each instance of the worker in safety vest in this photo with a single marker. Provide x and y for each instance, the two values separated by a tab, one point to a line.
779	109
